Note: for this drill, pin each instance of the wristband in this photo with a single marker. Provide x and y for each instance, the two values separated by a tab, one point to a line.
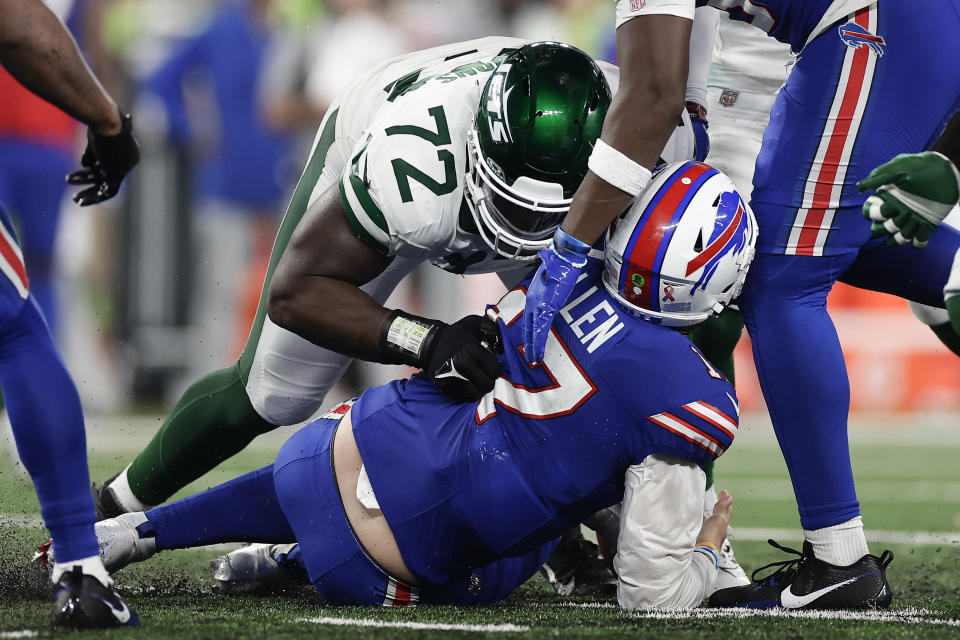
565	243
618	170
408	338
710	551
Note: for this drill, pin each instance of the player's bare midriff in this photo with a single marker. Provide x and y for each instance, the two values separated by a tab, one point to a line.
369	525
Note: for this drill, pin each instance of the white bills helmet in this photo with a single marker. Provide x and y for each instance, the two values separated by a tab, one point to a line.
680	252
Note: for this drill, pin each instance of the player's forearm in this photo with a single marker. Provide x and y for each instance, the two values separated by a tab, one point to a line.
37	50
331	313
949	141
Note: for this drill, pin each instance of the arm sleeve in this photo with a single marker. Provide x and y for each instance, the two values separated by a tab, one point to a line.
705	24
656	564
949	141
629	9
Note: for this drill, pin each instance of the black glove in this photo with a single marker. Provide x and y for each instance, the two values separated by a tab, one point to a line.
459	358
106	161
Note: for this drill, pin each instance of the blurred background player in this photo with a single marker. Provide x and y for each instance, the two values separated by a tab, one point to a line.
405	496
42	402
802	201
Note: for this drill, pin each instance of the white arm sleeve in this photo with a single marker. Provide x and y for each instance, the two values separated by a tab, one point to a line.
704	32
661	519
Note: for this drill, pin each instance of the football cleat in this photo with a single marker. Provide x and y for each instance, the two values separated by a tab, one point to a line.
730	573
806	582
83	602
105	501
259	568
123	540
576	568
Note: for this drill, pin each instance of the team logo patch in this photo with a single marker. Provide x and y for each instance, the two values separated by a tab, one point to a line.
636	5
729	97
856	37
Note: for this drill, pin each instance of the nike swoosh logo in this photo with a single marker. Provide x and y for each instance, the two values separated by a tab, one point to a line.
791	601
122	614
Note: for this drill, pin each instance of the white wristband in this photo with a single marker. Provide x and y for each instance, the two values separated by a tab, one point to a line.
617	169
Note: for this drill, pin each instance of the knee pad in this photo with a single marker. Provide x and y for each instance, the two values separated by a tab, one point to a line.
930	316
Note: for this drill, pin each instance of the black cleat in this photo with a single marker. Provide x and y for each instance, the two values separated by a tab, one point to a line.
82	602
576	568
104	500
808	583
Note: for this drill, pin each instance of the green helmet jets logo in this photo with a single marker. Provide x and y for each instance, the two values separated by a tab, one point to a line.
540	114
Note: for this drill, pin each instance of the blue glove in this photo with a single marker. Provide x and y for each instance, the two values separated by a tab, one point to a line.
698	118
562	263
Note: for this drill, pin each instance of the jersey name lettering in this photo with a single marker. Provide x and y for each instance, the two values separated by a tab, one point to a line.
598	333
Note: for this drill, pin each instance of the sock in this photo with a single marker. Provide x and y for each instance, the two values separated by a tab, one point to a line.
92	566
840	545
716	339
124	494
212	421
245	509
47	423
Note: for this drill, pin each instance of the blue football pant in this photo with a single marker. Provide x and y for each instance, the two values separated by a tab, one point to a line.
843	111
47	422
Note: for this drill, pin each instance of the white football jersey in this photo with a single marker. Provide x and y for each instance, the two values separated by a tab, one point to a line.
407	123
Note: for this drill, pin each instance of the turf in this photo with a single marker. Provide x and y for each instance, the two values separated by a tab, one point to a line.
907	481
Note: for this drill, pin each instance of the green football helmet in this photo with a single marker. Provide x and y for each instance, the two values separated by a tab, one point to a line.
540	114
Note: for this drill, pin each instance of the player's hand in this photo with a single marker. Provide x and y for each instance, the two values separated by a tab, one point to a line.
698	118
914	193
714	528
461	360
106	161
560	267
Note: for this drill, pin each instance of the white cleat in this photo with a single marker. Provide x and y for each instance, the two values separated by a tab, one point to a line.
258	567
730	573
120	543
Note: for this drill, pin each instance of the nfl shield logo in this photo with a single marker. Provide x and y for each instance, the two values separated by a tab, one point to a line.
636	5
729	97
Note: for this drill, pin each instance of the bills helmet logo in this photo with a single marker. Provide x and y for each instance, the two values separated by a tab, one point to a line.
729	234
856	37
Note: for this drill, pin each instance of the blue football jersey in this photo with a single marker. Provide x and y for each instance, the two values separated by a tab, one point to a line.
549	445
789	21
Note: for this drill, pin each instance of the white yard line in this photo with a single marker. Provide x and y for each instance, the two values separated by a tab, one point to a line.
908	615
420	626
875	535
23	633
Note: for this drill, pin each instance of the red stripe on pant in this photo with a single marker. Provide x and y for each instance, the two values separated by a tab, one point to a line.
823	190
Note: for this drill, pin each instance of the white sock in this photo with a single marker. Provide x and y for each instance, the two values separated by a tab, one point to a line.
124	494
92	566
840	545
709	501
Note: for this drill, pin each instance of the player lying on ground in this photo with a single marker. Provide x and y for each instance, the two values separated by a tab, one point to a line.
406	496
41	399
863	65
465	156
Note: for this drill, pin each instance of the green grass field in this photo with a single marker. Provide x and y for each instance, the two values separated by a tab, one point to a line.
908	480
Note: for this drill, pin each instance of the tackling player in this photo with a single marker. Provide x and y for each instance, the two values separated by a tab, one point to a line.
465	156
866	68
406	497
42	401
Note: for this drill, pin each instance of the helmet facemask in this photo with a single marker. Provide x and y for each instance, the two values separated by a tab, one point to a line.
516	220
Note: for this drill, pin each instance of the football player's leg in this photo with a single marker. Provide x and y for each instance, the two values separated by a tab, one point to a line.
929	278
939	322
804	381
214	419
47	423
